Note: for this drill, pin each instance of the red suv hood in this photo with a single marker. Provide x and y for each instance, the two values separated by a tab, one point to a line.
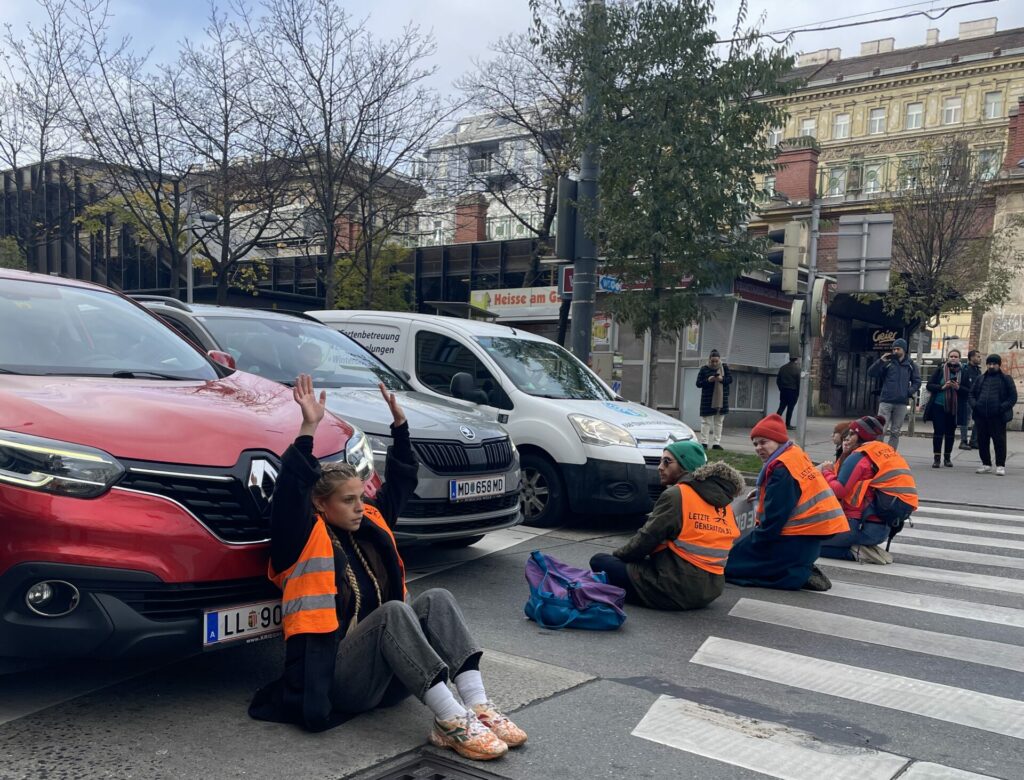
192	422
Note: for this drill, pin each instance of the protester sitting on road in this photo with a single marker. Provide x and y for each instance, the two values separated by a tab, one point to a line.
352	643
851	485
796	510
676	560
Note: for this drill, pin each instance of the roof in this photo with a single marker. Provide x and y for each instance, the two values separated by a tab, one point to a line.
939	55
28	276
471	327
212	310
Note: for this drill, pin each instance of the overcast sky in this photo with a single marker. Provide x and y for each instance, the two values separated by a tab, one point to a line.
464	28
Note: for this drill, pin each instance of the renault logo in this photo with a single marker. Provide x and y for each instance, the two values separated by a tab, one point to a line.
468	433
262	476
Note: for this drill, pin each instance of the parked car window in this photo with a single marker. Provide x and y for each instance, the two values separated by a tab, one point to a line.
182	328
282	349
544	370
439	358
71	331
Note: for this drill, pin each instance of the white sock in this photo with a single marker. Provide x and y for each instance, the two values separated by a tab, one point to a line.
471	688
441	702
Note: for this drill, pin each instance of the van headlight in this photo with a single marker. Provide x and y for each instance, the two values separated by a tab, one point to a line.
359	454
57	467
599	432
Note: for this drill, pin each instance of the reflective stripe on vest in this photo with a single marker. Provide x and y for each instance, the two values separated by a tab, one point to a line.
373	514
707	534
817	511
308	587
893	475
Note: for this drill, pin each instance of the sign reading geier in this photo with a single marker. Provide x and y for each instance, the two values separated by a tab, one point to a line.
882	339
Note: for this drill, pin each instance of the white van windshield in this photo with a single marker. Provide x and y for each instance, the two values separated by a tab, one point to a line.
544	370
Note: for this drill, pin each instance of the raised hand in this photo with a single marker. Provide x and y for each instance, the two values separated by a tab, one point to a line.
397	415
312	407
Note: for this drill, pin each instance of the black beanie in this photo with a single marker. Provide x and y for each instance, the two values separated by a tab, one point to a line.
994	358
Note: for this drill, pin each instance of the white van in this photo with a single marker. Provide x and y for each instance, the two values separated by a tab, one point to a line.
582	448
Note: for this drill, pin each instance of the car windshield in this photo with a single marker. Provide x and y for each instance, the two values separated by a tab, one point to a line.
544	369
281	349
53	329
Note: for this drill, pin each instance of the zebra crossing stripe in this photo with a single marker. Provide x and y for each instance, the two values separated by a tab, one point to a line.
959	648
969	610
920	697
965	578
939	510
925	770
770	748
1013	530
963	556
938	536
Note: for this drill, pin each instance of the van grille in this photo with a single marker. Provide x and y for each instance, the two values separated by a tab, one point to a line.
450	457
421	508
173	602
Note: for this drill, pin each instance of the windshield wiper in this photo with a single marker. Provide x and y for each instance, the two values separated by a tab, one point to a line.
143	374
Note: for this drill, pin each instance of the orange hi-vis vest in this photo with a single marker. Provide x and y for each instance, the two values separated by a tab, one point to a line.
817	511
707	535
893	476
308	586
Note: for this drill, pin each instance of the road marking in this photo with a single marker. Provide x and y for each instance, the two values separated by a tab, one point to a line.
964	556
965	578
916	640
926	770
969	610
906	694
770	748
995	529
494	542
970	513
938	536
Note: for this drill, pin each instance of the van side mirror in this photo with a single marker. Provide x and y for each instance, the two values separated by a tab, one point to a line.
463	389
404	374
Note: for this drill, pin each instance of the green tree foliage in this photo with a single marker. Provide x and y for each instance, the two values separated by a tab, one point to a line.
11	255
682	136
389	289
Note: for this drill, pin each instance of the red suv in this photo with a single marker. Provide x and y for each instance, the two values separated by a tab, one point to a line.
135	475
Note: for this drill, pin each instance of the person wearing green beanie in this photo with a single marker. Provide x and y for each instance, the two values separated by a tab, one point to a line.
676	560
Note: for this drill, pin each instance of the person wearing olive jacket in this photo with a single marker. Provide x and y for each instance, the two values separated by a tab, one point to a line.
994	395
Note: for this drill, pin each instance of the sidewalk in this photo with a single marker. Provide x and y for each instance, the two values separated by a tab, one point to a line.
956	485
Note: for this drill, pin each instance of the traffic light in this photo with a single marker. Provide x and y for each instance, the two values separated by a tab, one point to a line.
790	254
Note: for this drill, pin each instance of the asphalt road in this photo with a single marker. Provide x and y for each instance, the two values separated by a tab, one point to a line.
914	670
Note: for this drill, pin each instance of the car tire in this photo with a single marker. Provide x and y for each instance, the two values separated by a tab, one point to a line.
455	544
542	496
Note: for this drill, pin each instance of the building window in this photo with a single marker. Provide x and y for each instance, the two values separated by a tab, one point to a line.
876	121
952	111
769	185
437	236
809	127
993	105
775	136
498	228
915	116
837	181
841	126
908	173
988	164
748	391
872	178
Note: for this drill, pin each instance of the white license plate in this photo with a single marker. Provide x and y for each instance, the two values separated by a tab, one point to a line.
253	621
473	489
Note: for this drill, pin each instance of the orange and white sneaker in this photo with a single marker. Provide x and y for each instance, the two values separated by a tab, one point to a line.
468	737
507	731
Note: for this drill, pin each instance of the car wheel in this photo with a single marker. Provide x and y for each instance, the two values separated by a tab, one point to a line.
465	541
541	495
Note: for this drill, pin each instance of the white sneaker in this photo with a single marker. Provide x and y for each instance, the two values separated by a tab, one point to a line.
1000	471
872	554
983	470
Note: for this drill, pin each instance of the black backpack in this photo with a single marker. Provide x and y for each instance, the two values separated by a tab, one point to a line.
894	512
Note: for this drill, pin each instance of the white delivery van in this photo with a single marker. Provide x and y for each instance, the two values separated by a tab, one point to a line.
582	448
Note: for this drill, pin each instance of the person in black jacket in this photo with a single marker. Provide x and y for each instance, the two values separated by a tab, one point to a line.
788	382
972	372
713	380
352	643
994	396
948	405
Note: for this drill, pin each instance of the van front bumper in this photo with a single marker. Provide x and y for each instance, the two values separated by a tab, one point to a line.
607	487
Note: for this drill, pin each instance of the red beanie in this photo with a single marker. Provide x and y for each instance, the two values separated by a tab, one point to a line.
771	427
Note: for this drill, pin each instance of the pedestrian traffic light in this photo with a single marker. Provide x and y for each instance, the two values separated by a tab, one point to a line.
790	254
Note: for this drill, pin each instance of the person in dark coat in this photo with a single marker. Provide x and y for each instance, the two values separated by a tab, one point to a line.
994	397
352	643
713	380
947	406
900	381
972	372
796	512
788	382
650	573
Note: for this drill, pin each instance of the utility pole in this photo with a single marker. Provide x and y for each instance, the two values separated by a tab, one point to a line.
805	357
584	294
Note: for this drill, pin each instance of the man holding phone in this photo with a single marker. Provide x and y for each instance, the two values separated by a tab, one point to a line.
900	383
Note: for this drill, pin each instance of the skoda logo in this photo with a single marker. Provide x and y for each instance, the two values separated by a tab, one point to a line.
262	476
467	432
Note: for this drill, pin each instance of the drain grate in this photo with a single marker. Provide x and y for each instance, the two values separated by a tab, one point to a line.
435	768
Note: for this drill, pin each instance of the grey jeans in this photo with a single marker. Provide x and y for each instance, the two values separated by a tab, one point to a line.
400	649
894	415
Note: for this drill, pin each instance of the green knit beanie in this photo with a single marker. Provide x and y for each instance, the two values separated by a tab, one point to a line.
689	454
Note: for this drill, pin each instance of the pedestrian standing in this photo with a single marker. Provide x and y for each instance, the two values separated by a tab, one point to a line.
352	643
994	396
947	406
788	382
713	380
972	372
677	559
900	382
